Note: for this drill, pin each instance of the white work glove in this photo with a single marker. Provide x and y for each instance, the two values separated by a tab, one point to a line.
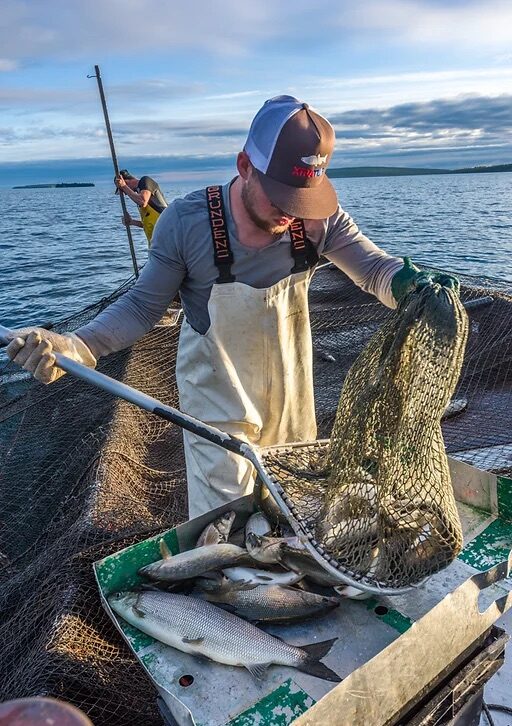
33	349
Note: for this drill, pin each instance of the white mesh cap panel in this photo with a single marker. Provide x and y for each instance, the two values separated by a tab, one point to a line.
266	127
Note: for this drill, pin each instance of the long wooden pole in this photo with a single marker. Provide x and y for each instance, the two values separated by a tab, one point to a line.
116	167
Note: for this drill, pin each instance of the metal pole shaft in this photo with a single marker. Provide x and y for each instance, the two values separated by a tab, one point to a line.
116	167
142	400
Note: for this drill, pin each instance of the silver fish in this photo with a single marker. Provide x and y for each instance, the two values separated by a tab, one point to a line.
272	604
455	406
250	576
257	524
218	583
268	549
217	532
353	593
192	563
200	628
301	561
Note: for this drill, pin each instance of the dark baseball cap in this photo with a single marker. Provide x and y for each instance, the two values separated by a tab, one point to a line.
290	146
126	175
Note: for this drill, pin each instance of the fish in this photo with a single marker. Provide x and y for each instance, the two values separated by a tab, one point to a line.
192	563
454	407
250	576
353	593
217	532
291	554
197	627
271	603
218	582
257	524
302	562
268	549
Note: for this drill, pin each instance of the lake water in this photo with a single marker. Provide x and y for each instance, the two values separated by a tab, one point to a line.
62	249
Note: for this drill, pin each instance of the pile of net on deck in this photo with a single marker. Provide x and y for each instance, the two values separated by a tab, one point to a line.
83	475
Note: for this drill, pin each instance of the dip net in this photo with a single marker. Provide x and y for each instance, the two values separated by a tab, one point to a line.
377	501
389	507
83	475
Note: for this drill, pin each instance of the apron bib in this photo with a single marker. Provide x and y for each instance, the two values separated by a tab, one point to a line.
251	374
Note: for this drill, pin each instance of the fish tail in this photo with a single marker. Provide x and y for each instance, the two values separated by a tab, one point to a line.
316	651
311	665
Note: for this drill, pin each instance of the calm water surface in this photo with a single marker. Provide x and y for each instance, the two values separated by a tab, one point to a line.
62	249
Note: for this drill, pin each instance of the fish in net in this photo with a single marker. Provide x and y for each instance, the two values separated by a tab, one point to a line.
388	512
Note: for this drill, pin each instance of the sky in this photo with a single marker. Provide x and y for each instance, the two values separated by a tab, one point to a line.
404	82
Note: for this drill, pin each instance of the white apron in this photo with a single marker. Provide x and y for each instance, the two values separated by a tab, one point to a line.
251	376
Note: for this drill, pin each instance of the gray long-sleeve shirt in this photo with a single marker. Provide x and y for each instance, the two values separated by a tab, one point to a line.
181	258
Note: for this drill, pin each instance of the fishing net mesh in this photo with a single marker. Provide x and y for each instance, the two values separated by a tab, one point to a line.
83	475
378	501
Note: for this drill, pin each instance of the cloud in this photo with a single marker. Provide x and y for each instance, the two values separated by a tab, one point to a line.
6	65
471	127
466	112
60	29
230	29
470	24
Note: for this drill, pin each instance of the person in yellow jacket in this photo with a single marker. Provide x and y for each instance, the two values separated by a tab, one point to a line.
147	195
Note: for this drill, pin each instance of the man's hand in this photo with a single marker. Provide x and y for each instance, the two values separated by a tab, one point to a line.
34	350
121	183
127	220
411	278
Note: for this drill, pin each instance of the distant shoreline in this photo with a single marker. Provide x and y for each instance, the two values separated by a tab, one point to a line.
61	185
366	171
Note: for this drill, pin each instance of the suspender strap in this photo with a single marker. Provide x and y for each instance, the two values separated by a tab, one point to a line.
222	254
303	252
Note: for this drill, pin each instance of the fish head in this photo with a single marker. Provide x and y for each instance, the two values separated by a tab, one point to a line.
122	601
258	524
253	542
264	549
226	521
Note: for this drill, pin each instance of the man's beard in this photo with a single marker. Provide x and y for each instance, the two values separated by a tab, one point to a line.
271	229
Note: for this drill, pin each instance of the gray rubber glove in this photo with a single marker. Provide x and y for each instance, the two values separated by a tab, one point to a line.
33	349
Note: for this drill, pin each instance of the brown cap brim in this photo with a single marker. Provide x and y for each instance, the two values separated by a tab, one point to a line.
319	202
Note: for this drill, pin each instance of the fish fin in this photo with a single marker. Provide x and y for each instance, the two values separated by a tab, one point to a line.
264	578
194	641
319	670
258	670
164	550
138	611
144	586
316	651
208	537
312	666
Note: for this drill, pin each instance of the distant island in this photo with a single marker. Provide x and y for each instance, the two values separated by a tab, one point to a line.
62	185
359	171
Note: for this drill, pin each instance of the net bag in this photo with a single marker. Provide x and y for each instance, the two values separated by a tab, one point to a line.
388	511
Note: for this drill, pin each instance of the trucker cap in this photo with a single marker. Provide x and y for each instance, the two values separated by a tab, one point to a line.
290	146
126	175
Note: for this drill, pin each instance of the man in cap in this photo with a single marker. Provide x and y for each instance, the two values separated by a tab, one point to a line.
242	256
147	195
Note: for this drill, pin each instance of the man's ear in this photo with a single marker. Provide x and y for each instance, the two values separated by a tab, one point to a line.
243	165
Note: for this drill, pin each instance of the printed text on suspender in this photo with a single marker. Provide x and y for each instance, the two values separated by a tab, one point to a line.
223	256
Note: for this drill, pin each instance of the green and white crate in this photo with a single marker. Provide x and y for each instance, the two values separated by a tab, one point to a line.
389	649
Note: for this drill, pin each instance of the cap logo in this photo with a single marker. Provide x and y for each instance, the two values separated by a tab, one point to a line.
301	171
314	160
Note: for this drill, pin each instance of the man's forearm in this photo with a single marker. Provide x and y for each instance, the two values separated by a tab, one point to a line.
135	196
